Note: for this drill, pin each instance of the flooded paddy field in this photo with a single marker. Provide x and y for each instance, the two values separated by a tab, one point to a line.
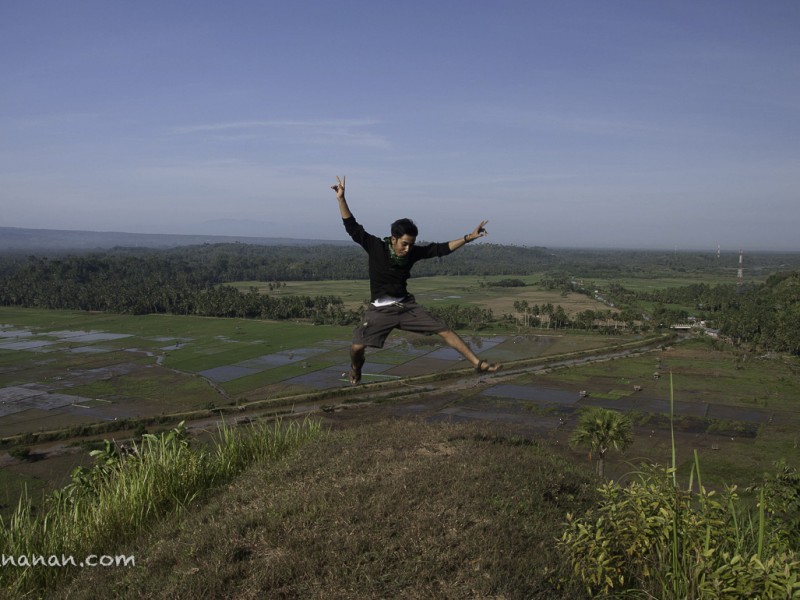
90	367
740	413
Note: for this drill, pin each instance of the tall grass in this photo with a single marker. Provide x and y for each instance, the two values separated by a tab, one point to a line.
109	503
655	538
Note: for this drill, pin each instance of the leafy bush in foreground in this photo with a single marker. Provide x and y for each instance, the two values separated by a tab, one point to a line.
666	542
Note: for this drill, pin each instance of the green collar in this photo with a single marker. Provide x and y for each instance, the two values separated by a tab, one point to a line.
399	261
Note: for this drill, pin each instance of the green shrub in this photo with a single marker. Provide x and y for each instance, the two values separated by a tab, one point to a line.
666	542
782	498
507	283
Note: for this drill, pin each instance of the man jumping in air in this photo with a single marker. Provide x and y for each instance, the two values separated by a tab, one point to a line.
391	306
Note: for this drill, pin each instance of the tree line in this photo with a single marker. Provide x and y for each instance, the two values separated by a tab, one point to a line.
761	316
192	280
151	284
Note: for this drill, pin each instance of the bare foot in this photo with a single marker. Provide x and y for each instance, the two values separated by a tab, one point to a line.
355	374
485	366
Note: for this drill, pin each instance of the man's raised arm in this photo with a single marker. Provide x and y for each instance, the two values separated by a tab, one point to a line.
339	189
478	232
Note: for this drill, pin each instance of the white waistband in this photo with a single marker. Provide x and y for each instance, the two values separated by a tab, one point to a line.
386	301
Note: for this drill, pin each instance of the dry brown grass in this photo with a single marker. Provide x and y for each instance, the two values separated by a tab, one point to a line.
392	509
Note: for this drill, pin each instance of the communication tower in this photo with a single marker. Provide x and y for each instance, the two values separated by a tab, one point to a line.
740	270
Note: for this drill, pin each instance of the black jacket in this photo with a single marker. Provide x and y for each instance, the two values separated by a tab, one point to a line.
385	278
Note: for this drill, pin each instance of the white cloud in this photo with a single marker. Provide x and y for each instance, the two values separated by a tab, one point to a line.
339	131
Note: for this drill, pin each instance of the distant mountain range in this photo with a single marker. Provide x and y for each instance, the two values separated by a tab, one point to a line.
15	239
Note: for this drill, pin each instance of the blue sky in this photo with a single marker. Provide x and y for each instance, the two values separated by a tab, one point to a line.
572	123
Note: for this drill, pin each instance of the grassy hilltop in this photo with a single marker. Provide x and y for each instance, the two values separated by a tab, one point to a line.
387	509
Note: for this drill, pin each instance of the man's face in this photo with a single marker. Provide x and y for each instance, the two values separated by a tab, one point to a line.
403	245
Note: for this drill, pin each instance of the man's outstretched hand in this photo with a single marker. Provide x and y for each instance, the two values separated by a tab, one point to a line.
339	187
479	231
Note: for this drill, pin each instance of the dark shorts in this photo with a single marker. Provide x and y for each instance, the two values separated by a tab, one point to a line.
378	323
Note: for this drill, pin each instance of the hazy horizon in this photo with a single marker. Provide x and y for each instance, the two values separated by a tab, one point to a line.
574	124
346	240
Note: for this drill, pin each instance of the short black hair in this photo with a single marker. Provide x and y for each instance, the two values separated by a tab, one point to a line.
403	227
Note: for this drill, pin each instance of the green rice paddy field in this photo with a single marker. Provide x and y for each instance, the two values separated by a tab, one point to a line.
116	366
441	290
61	369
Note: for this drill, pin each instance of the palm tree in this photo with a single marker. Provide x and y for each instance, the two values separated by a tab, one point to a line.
602	429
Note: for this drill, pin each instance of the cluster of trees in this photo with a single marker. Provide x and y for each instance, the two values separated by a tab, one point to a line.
459	316
762	316
227	301
504	283
765	316
150	284
610	319
534	315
